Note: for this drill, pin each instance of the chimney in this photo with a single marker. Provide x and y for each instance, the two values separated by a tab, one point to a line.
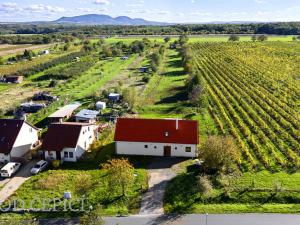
177	124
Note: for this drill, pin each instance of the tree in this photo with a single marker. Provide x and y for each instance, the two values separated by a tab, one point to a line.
198	96
167	39
93	217
83	183
120	175
262	38
219	154
234	37
254	38
183	39
130	97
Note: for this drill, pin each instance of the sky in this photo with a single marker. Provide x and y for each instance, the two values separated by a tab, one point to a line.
174	11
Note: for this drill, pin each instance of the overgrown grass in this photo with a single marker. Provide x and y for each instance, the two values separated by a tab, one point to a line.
252	192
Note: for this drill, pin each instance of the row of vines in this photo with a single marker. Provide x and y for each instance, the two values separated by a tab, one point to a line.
254	98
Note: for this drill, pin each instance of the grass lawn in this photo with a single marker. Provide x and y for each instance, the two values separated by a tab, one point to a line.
165	96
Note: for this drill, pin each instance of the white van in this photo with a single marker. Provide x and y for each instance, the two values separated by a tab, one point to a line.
9	169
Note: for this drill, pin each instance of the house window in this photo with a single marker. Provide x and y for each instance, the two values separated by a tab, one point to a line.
66	154
155	147
188	149
175	148
70	154
145	146
30	130
88	128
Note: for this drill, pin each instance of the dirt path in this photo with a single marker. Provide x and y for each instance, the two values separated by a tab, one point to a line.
14	51
160	173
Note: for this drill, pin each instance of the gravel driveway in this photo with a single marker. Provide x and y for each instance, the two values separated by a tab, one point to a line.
15	182
160	172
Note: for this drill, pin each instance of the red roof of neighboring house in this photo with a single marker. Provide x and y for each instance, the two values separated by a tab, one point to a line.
9	131
62	135
157	131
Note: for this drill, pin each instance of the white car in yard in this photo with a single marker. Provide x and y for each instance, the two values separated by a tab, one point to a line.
38	167
9	169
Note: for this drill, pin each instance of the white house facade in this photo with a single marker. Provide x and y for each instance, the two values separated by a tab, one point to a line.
17	138
156	137
68	141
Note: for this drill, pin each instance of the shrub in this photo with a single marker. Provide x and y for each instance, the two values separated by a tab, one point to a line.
56	164
83	183
219	154
204	184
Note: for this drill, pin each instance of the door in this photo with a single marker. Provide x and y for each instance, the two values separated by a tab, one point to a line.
58	156
167	151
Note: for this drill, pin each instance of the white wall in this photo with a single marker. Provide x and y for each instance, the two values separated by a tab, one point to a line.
138	148
27	137
4	158
52	156
86	138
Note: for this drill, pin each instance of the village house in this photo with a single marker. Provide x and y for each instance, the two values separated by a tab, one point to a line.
87	116
64	113
68	141
156	137
17	138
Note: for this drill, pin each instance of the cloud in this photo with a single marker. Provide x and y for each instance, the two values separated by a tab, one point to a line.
260	1
40	8
9	7
101	2
163	12
198	13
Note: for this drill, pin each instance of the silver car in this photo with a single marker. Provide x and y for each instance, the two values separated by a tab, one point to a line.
38	167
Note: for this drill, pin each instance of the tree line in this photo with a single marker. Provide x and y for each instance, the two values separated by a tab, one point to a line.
280	28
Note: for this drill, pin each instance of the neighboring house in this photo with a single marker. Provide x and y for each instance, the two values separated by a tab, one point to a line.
87	116
14	79
17	138
68	141
64	113
156	137
100	105
114	97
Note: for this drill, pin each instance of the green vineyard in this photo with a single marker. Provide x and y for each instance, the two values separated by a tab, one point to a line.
254	95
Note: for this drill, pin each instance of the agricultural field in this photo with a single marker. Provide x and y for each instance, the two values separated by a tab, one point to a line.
254	96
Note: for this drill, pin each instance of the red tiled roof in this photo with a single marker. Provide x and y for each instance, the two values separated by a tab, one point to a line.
9	131
62	135
157	131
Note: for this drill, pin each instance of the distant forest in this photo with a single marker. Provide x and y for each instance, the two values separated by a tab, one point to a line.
288	28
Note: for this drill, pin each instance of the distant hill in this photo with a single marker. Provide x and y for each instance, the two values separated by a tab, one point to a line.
96	19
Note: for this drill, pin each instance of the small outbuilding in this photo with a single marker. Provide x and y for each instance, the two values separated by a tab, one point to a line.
124	57
100	105
144	69
64	113
87	116
30	107
45	52
14	79
114	97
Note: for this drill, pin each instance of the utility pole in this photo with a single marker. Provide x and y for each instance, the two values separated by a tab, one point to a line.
206	218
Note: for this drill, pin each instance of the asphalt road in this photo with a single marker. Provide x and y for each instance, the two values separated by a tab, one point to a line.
193	219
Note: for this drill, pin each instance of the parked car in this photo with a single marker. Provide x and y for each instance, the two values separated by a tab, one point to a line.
9	169
38	167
